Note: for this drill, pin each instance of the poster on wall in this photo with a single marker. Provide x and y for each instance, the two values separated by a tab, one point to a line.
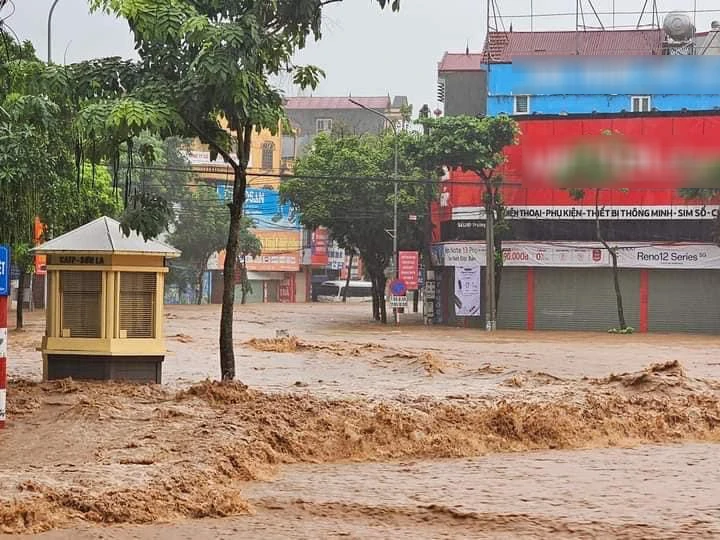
467	291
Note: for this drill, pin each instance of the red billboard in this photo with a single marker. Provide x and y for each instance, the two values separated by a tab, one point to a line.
650	157
319	247
408	269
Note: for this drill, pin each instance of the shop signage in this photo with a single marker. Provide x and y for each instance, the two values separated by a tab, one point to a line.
85	259
408	268
467	291
4	270
583	255
582	212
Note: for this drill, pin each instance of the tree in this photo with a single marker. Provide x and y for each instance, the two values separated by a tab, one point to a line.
476	145
708	176
204	71
592	166
200	231
343	184
250	246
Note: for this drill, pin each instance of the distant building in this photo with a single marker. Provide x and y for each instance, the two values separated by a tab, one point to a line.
462	79
312	115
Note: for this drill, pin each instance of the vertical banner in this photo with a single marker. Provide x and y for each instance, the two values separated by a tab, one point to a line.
467	291
408	269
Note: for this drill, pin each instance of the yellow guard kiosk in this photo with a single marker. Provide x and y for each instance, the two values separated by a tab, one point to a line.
105	304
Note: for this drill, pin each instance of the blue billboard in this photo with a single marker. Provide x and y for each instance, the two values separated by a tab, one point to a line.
264	208
4	270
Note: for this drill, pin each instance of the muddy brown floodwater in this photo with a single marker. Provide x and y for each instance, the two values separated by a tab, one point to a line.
351	429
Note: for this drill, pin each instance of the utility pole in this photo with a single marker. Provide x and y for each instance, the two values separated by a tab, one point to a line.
49	31
490	324
396	313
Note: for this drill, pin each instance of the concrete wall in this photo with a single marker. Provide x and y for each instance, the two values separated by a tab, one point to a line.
352	122
465	93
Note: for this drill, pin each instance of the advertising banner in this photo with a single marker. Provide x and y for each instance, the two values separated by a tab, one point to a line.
467	291
319	249
584	255
408	266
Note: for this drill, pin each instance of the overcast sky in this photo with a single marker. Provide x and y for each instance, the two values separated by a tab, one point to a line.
364	51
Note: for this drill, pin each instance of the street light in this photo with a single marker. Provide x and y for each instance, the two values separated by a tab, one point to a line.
395	199
49	26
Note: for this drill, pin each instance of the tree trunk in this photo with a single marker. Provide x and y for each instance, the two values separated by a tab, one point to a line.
20	300
200	286
618	292
613	258
227	352
349	274
243	282
383	305
499	261
375	301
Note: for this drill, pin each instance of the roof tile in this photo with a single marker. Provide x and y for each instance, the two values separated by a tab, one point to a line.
505	46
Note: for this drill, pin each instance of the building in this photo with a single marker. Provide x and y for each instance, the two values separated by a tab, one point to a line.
312	115
601	71
462	79
557	276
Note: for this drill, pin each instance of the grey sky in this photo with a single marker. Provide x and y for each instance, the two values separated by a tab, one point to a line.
364	51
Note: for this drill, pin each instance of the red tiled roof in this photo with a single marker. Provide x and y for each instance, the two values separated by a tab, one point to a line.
309	103
504	46
461	62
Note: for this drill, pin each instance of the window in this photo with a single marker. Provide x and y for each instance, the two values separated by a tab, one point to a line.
137	304
268	155
522	105
641	104
80	306
359	292
323	125
329	290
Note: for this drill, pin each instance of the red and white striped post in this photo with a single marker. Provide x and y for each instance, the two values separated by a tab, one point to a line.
4	292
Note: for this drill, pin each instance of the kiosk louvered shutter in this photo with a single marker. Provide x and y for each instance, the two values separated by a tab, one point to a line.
137	304
81	304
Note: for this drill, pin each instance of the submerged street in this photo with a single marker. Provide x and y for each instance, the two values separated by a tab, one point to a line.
351	429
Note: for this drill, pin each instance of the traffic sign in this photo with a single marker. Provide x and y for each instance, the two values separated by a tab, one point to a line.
398	287
4	270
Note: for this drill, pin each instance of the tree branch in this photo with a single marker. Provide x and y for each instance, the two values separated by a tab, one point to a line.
224	153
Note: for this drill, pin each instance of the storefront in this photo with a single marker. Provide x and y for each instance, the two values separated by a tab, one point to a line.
569	286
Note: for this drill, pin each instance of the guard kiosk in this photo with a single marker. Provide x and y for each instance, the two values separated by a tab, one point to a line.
105	304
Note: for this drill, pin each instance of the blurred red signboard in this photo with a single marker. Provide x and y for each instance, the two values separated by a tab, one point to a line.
408	268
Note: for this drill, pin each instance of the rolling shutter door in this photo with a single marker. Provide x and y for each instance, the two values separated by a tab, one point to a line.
137	304
81	300
584	298
684	301
512	308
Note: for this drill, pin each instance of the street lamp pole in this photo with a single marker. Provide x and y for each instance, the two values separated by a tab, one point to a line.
49	28
395	198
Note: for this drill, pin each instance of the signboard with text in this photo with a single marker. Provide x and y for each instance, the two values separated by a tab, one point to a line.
408	268
583	255
4	270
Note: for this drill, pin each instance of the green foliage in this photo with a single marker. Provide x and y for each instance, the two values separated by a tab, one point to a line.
622	331
201	227
467	142
359	212
65	206
148	214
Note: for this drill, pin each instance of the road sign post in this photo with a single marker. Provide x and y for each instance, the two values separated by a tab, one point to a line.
4	293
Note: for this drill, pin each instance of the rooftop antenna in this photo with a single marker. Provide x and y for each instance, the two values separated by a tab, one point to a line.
654	16
580	23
